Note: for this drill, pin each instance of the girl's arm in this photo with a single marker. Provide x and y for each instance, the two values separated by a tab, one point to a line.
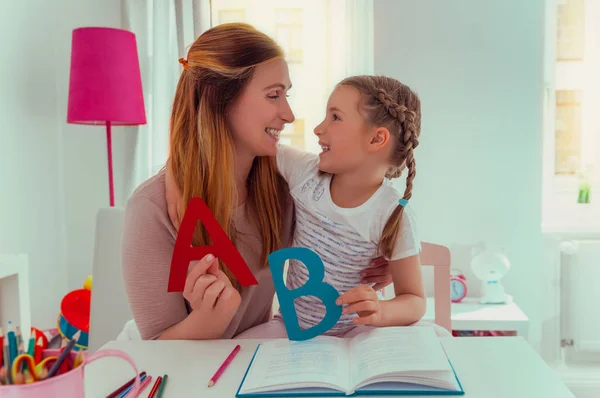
409	304
406	308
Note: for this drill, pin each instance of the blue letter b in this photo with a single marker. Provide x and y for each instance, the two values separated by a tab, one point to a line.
314	286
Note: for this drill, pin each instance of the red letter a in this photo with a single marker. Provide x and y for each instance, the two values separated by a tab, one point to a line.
222	248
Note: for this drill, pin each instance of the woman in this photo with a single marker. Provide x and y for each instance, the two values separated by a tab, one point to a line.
230	105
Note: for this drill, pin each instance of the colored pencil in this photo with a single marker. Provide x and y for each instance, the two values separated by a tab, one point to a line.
143	381
31	347
54	341
18	336
12	345
143	385
119	390
155	387
63	355
20	346
224	366
78	359
6	355
21	351
161	389
38	350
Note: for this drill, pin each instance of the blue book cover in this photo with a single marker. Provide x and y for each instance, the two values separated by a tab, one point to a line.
384	361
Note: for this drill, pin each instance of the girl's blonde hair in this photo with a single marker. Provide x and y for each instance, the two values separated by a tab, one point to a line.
388	103
219	66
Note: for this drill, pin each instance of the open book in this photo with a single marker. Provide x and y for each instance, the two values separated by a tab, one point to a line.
382	361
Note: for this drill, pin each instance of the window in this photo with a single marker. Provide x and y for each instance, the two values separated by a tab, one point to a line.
568	132
284	21
227	16
574	133
295	137
571	30
288	32
316	38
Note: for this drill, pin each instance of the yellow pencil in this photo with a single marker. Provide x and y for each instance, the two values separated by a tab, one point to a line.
78	359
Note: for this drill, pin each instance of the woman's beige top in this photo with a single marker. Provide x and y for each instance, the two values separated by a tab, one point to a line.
148	243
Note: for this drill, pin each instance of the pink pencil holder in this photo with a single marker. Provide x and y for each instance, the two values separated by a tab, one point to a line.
69	384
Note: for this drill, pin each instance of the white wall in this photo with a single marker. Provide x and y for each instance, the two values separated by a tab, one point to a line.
478	68
53	175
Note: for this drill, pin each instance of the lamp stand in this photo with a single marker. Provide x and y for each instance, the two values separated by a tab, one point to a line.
111	186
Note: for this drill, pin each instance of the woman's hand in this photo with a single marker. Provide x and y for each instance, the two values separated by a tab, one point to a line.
211	295
363	301
378	273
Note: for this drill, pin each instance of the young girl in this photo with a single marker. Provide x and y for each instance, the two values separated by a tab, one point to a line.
347	210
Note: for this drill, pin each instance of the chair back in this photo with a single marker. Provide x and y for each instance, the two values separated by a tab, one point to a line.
110	306
439	258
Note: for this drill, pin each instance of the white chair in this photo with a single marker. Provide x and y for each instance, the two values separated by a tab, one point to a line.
110	307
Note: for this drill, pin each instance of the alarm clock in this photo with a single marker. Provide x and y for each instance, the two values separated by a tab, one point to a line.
458	288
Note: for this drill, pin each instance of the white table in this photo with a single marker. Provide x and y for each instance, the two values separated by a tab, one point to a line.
469	314
502	367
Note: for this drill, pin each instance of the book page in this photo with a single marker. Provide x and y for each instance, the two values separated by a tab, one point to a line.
322	361
396	349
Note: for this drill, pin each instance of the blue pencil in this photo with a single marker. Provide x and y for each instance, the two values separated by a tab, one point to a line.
12	345
63	355
126	391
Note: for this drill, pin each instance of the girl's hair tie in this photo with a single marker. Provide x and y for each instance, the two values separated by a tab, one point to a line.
184	62
403	202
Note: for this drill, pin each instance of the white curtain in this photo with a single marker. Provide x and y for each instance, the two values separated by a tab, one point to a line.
166	28
164	31
360	51
352	38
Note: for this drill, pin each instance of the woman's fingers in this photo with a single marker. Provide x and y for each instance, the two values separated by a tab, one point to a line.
379	275
198	269
212	292
383	269
378	286
377	279
195	296
376	262
228	301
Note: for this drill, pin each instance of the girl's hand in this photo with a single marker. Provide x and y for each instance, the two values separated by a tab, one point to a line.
364	301
378	273
211	295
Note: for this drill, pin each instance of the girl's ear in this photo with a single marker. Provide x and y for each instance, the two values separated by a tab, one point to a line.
379	138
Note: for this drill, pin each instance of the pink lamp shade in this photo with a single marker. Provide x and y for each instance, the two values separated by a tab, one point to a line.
105	86
105	83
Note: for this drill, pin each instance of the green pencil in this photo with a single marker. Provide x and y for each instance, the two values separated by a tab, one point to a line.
161	389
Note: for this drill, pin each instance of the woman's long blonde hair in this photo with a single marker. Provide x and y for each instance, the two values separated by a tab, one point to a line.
219	66
389	103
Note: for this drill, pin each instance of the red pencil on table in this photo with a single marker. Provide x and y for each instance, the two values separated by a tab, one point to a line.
224	366
155	387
